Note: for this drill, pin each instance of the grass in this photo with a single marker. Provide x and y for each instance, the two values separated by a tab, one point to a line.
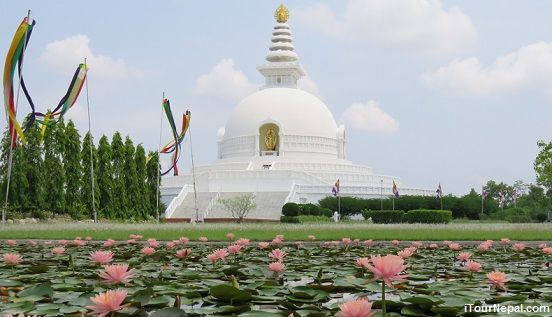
329	231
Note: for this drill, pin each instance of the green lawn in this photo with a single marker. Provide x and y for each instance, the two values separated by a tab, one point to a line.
323	231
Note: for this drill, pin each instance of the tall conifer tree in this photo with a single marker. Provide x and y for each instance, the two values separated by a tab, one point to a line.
54	171
141	173
73	170
105	179
86	192
119	202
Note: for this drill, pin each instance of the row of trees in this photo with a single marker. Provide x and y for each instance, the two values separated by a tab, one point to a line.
529	203
51	175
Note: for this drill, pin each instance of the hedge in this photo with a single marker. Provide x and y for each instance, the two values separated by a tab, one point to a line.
304	219
289	219
290	210
428	216
384	216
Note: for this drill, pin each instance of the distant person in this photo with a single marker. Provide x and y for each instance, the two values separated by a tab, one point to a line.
335	217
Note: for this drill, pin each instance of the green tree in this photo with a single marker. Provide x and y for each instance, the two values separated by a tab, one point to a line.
33	165
86	191
73	170
142	203
54	171
132	209
153	170
119	202
105	179
240	206
543	164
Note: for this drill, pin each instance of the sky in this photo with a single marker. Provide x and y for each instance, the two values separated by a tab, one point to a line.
450	92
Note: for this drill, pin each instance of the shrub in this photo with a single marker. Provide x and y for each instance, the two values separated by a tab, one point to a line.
290	210
520	219
384	216
304	219
326	212
428	216
289	219
313	209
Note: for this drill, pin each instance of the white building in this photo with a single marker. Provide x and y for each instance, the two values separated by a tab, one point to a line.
280	143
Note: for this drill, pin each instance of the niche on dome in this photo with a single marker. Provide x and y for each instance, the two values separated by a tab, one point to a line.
269	140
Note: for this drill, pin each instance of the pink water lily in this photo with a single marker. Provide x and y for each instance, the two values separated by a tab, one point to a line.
109	243
152	243
12	258
263	245
148	251
388	268
243	242
395	242
473	266
454	246
230	236
108	302
184	240
547	250
368	243
101	257
277	255
116	273
433	246
463	256
277	267
217	255
233	249
356	308
203	239
311	237
497	279
519	246
58	250
183	253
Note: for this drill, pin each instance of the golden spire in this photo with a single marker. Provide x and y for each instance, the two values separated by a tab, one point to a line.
281	14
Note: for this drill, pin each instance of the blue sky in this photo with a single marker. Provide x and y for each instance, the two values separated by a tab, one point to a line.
456	92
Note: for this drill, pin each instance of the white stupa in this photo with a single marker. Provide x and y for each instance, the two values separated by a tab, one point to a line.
280	143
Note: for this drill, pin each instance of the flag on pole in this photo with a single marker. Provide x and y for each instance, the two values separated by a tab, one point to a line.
514	196
395	190
500	196
335	189
484	192
439	191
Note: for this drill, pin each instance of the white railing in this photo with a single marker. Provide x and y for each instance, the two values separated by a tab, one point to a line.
210	206
291	193
177	201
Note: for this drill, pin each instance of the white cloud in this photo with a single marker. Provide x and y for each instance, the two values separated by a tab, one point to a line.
65	55
225	81
528	67
369	117
307	84
422	25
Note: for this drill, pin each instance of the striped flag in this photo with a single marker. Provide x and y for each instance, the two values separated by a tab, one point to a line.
439	191
395	190
500	196
335	189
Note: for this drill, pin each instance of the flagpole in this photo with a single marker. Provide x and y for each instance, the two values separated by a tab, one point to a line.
339	205
13	138
381	194
482	199
159	160
193	174
393	202
91	146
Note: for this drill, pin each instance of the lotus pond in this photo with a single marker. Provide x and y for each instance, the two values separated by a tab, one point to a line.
314	280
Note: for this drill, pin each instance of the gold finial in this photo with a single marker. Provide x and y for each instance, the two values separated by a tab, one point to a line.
281	14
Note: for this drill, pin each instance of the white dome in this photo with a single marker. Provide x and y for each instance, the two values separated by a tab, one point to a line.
295	111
